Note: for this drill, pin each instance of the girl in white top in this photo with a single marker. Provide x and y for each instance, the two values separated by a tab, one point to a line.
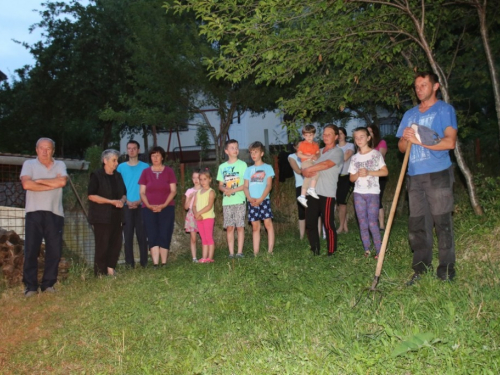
365	169
190	222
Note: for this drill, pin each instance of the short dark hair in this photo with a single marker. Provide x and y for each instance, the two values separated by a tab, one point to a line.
343	131
157	150
135	143
229	142
432	76
334	127
256	146
309	129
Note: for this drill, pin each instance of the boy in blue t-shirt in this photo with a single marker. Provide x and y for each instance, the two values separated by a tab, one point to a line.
258	183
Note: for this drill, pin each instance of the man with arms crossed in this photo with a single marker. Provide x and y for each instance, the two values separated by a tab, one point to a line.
43	179
131	172
430	178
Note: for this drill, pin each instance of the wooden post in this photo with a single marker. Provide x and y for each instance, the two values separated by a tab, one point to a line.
180	146
183	170
276	197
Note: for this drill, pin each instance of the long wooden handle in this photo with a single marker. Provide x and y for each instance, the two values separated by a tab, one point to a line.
388	226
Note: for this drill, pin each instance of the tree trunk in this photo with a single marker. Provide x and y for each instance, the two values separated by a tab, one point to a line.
481	11
419	25
224	126
213	132
106	137
471	188
155	135
145	137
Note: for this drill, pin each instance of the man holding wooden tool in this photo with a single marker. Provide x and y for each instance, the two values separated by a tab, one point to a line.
431	128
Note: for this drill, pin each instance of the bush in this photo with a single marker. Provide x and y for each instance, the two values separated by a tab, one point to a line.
93	155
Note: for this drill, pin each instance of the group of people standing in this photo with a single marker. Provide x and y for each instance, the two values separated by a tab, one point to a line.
134	196
333	169
429	182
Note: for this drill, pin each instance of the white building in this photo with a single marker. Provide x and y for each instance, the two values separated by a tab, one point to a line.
246	128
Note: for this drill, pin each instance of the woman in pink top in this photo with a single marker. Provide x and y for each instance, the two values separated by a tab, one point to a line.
158	186
380	146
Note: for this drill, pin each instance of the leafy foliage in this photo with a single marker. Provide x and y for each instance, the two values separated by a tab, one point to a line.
203	140
413	343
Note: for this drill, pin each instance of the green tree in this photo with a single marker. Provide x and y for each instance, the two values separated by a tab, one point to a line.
203	141
346	53
79	69
230	100
487	12
165	66
170	81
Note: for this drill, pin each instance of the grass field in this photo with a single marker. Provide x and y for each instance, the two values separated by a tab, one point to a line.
290	313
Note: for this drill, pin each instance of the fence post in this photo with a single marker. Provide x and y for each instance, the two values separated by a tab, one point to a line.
276	196
183	167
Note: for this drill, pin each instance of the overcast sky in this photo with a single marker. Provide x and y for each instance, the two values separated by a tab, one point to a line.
15	19
16	16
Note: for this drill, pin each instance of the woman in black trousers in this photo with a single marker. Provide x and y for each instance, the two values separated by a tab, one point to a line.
328	166
107	194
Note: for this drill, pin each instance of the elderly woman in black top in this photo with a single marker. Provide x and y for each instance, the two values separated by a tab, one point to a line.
107	194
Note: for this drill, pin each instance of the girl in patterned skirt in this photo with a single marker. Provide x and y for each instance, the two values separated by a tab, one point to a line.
190	222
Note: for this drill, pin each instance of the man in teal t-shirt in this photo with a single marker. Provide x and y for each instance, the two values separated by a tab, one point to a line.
131	172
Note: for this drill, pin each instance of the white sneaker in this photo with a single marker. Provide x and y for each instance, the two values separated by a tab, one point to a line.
302	200
312	193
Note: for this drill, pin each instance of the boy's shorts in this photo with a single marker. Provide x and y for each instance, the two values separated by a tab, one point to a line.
234	215
262	212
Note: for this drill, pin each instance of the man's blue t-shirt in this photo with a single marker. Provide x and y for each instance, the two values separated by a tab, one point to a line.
131	175
257	177
438	117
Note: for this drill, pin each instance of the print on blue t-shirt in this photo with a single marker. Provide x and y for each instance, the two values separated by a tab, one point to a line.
257	179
